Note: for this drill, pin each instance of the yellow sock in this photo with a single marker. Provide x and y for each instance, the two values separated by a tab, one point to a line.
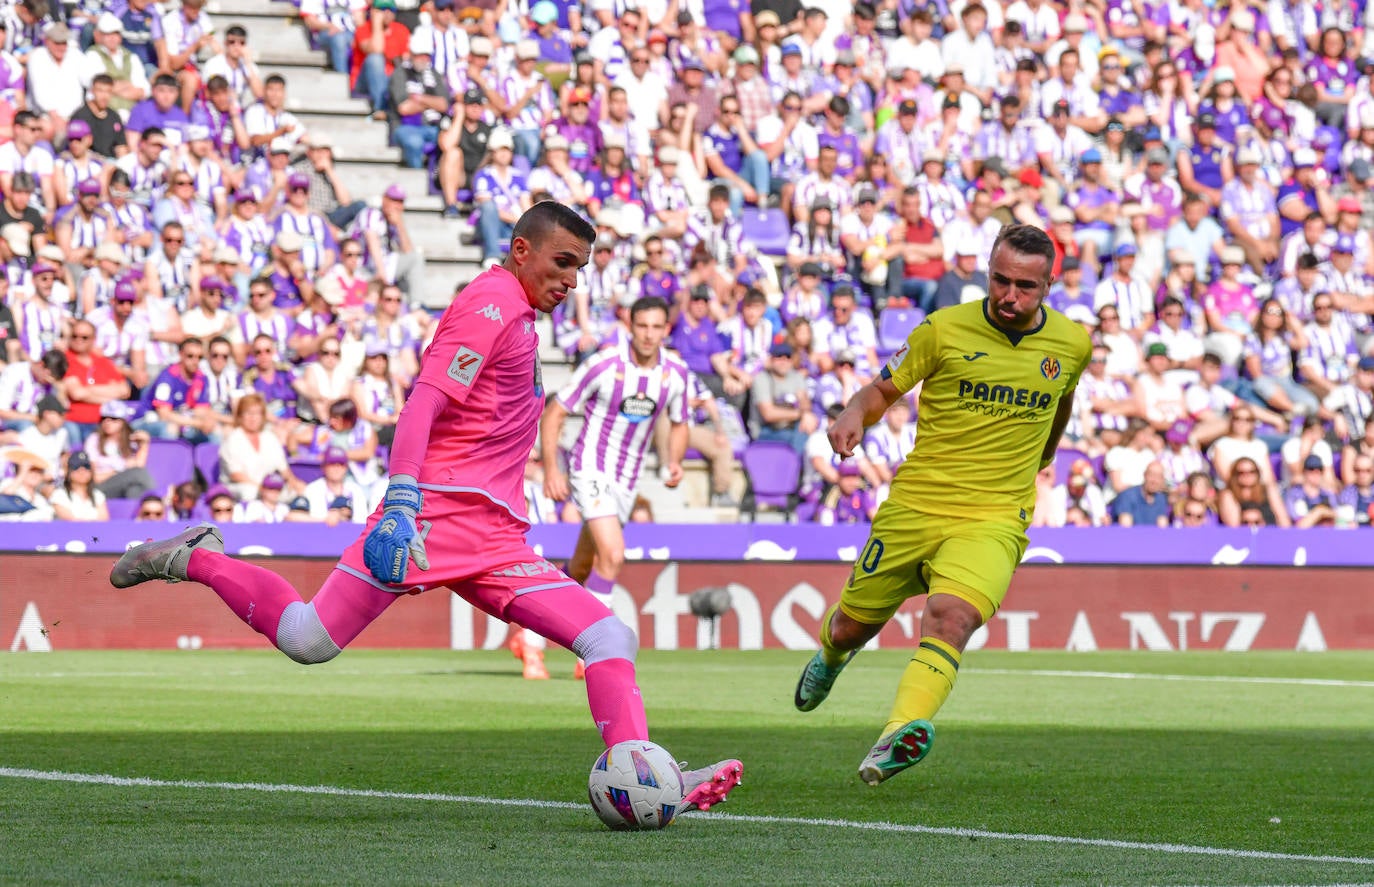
925	684
831	655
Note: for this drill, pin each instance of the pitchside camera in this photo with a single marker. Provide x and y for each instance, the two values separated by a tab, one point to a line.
710	604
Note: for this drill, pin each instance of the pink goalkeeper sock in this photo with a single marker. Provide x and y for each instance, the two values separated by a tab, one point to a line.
255	594
617	708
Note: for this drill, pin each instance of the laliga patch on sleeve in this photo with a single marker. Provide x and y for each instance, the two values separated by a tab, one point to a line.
896	359
465	365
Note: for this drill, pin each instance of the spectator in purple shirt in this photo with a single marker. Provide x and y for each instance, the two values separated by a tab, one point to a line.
175	402
733	157
584	136
696	338
160	111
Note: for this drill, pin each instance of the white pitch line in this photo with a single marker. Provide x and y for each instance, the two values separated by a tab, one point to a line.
273	788
1146	676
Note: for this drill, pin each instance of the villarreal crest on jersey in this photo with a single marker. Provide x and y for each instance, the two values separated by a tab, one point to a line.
987	403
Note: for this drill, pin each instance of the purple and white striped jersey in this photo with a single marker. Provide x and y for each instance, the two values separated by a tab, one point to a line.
881	445
1253	206
115	342
621	402
315	237
41	324
88	232
665	194
275	324
534	113
251	239
1331	349
748	345
74	174
134	220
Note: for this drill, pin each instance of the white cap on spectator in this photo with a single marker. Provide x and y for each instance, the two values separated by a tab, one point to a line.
555	142
526	49
1304	157
53	253
1060	214
1075	21
972	293
1247	155
17	236
500	138
480	46
668	154
281	145
1367	117
967	247
110	252
1243	19
1232	255
224	253
614	139
321	140
422	42
1223	74
289	241
109	23
331	290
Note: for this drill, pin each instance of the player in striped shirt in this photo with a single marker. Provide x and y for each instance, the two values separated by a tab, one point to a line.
457	471
621	392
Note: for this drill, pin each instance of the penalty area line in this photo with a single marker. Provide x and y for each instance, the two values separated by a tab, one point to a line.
746	819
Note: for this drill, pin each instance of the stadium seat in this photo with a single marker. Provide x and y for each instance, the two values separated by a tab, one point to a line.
122	509
207	462
774	473
306	469
767	230
170	462
894	325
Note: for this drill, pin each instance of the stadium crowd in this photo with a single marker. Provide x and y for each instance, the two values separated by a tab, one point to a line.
802	184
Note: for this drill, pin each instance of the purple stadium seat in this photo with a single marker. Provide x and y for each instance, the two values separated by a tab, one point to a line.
170	462
207	462
767	229
774	473
122	509
1276	463
306	469
894	325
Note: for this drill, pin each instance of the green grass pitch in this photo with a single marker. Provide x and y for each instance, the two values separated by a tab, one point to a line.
1109	768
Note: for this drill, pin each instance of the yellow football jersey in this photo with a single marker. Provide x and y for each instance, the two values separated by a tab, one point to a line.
986	407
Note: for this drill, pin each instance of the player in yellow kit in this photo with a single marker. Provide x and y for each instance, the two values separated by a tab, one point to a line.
999	377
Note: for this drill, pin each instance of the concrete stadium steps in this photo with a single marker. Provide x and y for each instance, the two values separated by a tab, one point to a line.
251	8
365	160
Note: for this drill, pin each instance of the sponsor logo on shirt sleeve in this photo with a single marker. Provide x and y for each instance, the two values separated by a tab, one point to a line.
896	359
465	365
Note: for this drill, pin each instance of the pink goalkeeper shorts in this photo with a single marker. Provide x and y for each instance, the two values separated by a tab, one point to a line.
475	548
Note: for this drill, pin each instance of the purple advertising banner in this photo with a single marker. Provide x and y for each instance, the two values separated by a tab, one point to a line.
770	542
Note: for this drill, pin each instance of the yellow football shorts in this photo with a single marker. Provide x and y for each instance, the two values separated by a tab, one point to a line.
910	553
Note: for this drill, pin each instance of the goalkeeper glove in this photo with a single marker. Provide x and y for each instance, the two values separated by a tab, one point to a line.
395	540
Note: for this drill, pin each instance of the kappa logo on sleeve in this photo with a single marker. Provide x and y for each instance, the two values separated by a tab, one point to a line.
492	313
465	365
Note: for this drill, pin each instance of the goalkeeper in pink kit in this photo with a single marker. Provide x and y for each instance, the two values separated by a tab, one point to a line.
454	512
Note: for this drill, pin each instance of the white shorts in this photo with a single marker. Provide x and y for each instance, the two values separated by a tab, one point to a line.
599	495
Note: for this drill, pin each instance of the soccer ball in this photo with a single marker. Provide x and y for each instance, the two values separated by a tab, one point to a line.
635	785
